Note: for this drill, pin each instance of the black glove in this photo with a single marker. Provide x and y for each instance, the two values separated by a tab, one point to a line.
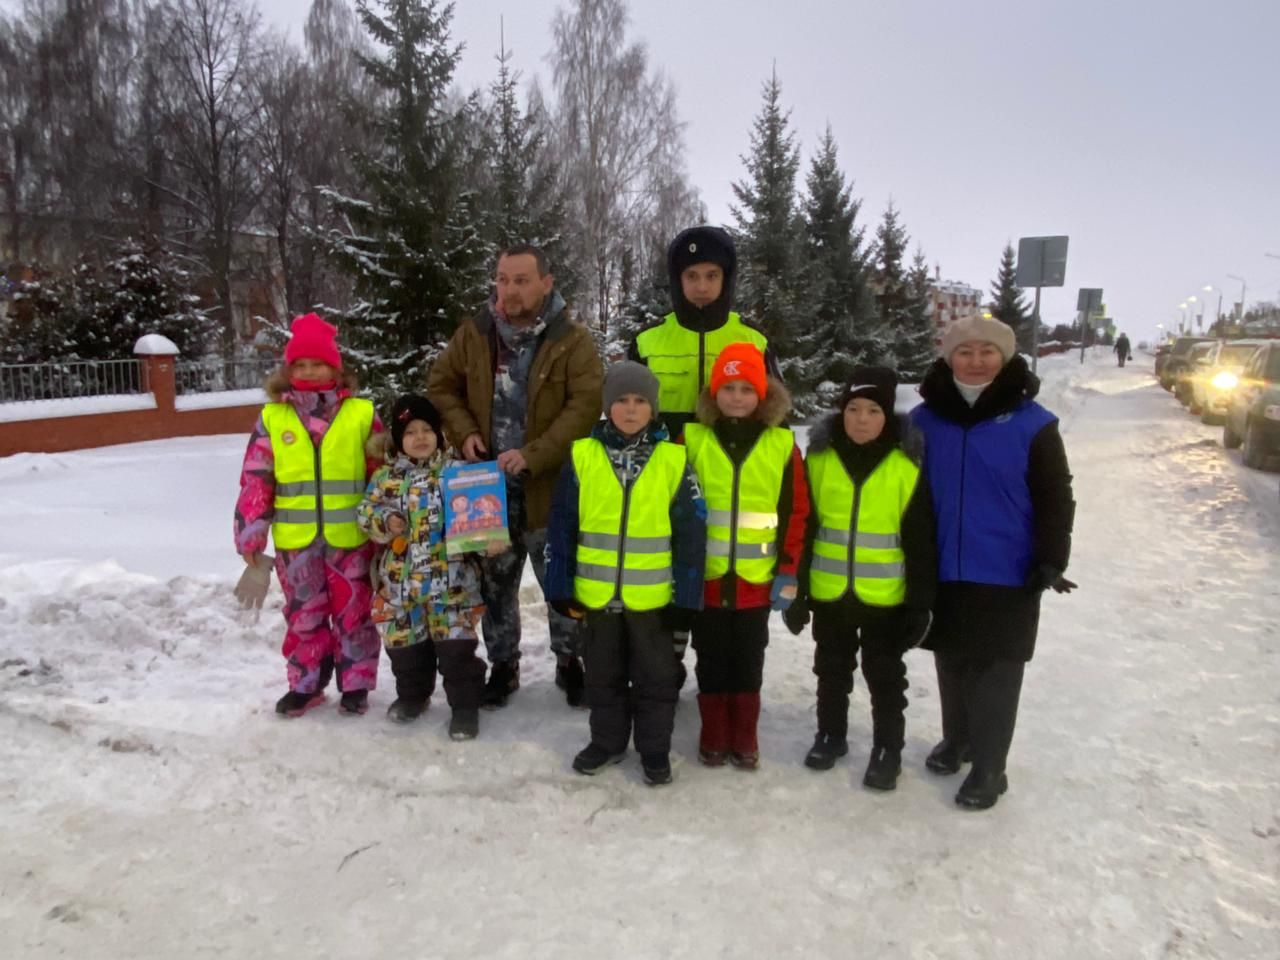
796	616
569	608
678	619
1046	576
915	627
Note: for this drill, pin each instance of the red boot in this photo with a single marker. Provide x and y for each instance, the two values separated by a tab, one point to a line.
714	742
744	715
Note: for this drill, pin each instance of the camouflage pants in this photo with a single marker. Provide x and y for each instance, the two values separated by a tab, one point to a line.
501	591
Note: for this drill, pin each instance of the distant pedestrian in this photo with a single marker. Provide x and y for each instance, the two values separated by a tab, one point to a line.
1122	349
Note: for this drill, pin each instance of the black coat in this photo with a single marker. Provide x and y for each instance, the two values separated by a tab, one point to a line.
979	621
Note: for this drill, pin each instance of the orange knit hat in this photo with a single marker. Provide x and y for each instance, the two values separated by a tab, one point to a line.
740	361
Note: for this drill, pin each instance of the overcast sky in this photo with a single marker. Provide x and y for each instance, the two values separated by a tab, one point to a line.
1146	130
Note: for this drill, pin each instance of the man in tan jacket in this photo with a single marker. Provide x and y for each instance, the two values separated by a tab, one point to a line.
518	384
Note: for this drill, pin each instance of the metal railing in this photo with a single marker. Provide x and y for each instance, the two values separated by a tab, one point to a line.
68	379
210	376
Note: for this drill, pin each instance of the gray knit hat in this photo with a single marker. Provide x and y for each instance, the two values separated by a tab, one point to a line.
630	377
986	329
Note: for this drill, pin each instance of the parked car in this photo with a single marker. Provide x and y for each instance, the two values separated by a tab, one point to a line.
1185	371
1176	358
1217	375
1253	415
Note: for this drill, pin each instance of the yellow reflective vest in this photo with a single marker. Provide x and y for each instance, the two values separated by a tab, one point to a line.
742	500
624	533
317	491
681	358
859	538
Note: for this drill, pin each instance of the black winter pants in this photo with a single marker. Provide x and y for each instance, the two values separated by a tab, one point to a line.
631	678
835	657
730	646
980	705
415	668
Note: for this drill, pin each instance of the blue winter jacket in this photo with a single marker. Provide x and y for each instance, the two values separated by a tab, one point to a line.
978	477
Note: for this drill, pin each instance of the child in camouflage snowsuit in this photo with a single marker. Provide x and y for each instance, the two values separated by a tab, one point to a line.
322	558
427	604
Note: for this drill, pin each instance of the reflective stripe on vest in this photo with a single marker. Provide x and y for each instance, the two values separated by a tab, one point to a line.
624	535
748	543
317	493
872	557
673	352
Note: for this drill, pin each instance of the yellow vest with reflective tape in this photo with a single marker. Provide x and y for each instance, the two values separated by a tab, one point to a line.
337	474
682	359
748	493
872	557
639	572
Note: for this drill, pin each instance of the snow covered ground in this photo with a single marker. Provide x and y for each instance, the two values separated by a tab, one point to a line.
151	804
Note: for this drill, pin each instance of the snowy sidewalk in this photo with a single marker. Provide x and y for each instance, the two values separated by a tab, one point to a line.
151	804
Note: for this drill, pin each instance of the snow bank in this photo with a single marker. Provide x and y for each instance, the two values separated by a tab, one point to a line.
223	398
74	407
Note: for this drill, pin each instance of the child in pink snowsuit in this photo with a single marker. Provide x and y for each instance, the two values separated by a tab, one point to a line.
305	471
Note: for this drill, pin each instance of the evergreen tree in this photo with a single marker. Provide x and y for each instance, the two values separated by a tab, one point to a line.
98	310
526	203
413	246
914	349
835	280
770	233
1008	303
904	335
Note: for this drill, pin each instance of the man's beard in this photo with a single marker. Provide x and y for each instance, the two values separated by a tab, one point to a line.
523	316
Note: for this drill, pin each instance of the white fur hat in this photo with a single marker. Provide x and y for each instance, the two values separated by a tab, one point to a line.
986	329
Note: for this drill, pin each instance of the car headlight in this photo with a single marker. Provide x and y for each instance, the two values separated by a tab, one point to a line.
1225	380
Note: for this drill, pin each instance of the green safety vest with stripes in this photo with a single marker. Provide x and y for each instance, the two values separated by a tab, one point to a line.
682	359
624	533
336	473
859	537
742	500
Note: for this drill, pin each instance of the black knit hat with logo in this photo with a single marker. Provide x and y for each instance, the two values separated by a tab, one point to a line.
875	383
410	407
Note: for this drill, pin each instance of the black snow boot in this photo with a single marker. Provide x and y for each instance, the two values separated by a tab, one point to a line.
981	789
504	680
354	703
594	758
295	704
406	711
464	724
883	769
826	750
656	768
946	757
571	679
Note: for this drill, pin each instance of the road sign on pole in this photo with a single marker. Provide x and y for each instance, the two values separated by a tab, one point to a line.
1042	262
1088	303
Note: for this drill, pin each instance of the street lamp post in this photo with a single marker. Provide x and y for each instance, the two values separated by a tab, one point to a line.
1209	288
1182	323
1193	311
1232	276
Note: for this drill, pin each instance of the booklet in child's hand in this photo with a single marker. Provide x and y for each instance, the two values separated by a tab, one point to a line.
475	507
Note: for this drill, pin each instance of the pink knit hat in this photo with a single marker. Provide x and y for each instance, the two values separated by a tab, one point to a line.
310	338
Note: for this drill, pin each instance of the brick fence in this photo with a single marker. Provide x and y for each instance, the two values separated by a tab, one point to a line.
48	432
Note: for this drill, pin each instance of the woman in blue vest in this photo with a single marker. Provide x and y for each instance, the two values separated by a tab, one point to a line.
1004	507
